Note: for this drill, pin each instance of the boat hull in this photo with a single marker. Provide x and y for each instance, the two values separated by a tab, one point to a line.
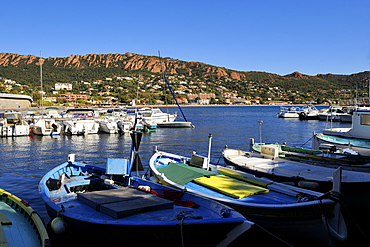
175	124
290	221
162	226
26	228
355	186
359	145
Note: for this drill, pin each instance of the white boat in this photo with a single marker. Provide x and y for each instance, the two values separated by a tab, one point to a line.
108	125
360	126
13	124
327	156
80	122
156	115
176	124
355	185
289	112
81	127
114	125
334	113
356	138
309	112
46	126
147	125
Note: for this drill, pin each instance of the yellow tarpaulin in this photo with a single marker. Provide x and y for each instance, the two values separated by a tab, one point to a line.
229	186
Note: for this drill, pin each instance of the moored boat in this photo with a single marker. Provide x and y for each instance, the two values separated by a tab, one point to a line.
326	156
80	121
335	113
112	205
356	137
20	225
289	112
309	112
176	124
156	115
293	214
46	126
12	124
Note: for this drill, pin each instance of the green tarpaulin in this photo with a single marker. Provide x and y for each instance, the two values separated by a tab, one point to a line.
182	174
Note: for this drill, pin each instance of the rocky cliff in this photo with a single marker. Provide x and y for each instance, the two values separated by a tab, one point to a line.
128	61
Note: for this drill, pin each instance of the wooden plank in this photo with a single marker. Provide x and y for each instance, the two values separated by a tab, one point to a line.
4	220
97	198
119	203
122	209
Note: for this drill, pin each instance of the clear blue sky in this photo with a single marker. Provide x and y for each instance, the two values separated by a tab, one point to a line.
275	36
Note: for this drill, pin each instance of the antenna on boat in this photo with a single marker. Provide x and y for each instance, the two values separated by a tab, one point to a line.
209	149
42	92
260	124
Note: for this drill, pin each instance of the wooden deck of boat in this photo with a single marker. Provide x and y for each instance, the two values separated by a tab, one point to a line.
119	203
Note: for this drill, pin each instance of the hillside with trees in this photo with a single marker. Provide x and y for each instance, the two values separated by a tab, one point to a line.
198	78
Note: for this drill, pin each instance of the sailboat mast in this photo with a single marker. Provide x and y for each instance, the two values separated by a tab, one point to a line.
42	91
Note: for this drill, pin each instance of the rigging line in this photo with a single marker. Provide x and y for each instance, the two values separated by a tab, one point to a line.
348	212
174	97
170	88
271	234
307	141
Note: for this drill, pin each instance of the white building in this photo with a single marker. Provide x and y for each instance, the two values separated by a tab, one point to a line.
59	86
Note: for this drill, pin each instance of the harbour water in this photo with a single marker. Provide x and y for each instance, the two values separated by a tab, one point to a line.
24	160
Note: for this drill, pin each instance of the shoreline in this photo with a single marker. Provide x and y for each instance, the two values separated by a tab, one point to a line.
157	106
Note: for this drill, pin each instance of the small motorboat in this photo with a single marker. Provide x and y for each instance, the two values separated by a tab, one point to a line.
20	225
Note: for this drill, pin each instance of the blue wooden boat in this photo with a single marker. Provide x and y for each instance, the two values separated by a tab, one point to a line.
20	225
110	206
293	214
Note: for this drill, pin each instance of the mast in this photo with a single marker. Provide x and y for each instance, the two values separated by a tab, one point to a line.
42	91
164	89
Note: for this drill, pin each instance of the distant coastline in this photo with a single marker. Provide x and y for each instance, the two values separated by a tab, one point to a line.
162	106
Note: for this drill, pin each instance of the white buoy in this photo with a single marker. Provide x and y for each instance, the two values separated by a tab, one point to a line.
58	225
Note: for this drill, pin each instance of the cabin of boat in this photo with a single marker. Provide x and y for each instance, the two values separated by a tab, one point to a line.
360	126
13	124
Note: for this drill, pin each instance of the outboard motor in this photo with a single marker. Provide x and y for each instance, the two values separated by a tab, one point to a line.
120	127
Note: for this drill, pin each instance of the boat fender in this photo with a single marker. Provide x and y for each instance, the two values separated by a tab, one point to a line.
108	181
102	177
53	184
58	225
308	185
144	187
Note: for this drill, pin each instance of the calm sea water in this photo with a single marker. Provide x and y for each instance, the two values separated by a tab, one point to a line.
24	160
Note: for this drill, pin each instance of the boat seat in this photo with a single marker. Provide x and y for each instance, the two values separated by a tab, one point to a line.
3	221
117	167
123	202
